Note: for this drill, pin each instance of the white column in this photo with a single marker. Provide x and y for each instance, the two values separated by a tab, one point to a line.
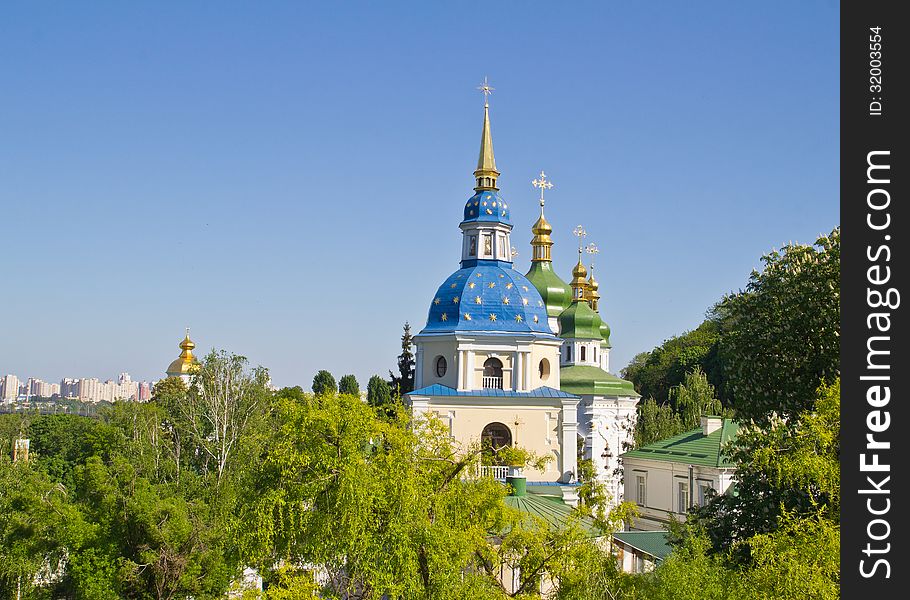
462	369
418	369
516	371
568	436
469	372
527	371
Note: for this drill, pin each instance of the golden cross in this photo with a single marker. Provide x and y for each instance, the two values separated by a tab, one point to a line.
580	233
543	184
486	90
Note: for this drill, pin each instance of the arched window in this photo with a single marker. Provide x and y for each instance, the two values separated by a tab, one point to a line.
496	436
492	373
581	352
441	366
543	369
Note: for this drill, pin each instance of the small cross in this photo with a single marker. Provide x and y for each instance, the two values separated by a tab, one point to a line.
580	233
514	252
543	184
486	89
592	249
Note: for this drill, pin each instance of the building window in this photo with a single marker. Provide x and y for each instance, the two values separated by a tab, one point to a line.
487	244
581	353
495	436
568	353
472	249
441	366
639	563
703	489
492	373
642	486
682	496
543	369
501	244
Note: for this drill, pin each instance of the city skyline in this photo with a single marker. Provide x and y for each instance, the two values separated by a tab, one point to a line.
181	158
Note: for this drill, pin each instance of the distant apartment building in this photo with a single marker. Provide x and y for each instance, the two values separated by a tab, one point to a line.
9	388
69	388
37	388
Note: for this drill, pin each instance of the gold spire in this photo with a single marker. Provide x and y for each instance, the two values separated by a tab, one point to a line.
186	362
541	242
486	173
593	296
579	285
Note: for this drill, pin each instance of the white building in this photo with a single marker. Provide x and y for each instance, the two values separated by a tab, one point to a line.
9	388
667	478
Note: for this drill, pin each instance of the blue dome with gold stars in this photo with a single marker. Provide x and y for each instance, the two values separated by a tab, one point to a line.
488	297
486	205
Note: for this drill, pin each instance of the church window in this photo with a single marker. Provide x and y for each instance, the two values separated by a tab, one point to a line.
488	244
581	352
642	497
501	244
543	369
492	373
472	249
495	436
441	366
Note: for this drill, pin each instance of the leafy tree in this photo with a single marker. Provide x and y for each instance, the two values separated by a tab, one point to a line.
781	336
655	422
348	385
790	468
324	383
404	381
64	441
693	398
378	392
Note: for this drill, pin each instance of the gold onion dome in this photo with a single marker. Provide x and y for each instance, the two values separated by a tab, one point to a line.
579	284
579	272
186	362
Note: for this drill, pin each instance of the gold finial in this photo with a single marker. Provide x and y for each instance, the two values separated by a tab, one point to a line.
544	185
186	362
579	285
486	173
593	295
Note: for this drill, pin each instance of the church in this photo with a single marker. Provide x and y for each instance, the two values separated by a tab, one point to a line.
511	359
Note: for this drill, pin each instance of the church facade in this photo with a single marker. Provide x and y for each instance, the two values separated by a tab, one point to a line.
511	359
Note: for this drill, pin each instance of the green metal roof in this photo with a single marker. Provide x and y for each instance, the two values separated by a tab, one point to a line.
556	294
692	447
649	542
552	511
588	379
581	322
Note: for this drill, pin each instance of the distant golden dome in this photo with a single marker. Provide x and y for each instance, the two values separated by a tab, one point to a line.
579	272
186	363
541	227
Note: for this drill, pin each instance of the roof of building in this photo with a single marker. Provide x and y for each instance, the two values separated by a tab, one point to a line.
443	390
653	543
692	447
186	363
580	321
588	379
488	296
487	205
553	511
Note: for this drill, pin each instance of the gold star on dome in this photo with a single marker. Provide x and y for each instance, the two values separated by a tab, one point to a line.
501	276
479	275
491	285
524	287
437	301
524	301
477	300
471	285
489	212
494	205
540	303
467	317
453	285
471	213
455	299
536	319
509	286
492	317
444	317
505	300
484	204
476	203
518	318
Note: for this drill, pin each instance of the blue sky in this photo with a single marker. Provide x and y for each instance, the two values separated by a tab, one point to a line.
287	178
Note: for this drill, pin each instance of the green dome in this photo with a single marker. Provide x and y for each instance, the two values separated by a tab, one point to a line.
556	294
605	334
579	321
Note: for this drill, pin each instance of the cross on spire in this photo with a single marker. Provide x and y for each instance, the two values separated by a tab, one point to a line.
593	250
580	233
543	184
486	89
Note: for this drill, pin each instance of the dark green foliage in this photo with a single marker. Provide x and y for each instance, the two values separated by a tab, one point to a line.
64	441
324	383
403	383
656	372
781	336
348	385
655	422
378	392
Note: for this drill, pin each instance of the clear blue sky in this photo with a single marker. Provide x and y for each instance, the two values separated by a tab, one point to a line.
287	178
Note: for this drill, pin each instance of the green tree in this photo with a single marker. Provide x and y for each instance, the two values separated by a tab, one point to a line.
788	468
348	385
693	398
781	336
378	392
403	383
324	383
655	422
